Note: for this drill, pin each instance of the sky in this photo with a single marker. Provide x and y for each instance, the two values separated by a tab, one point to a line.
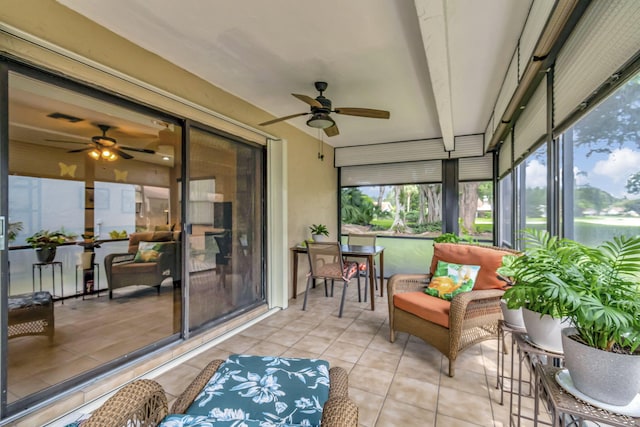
606	171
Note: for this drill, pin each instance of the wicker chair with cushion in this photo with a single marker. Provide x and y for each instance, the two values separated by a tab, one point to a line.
243	390
151	258
451	326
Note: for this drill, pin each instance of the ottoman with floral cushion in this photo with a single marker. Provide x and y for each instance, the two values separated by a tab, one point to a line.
261	391
243	391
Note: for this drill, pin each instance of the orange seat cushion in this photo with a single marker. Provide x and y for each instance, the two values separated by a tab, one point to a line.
433	309
489	259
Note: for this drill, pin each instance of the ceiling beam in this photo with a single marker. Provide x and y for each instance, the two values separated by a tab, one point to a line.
433	27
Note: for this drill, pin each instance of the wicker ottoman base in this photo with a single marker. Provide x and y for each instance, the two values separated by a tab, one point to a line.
31	314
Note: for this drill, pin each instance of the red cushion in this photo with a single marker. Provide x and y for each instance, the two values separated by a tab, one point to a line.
488	258
433	309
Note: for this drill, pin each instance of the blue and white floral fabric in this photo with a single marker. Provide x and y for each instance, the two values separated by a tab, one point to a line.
249	391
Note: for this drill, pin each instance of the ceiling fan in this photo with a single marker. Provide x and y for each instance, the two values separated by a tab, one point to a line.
104	147
321	109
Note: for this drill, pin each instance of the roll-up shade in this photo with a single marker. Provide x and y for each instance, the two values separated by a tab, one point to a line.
538	15
395	152
606	37
476	168
532	123
468	146
504	158
391	173
488	133
508	88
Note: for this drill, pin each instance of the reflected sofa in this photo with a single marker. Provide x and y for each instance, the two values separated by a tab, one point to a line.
151	257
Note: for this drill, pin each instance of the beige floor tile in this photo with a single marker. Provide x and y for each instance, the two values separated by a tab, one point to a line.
238	344
427	368
313	344
414	392
369	406
465	406
177	379
267	348
468	381
286	337
259	331
359	338
379	360
341	350
396	413
369	379
445	421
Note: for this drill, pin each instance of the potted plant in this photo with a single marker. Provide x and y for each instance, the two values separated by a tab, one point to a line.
45	243
319	232
544	316
598	290
602	293
13	230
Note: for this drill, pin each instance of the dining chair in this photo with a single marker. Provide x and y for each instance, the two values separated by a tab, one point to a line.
326	262
363	263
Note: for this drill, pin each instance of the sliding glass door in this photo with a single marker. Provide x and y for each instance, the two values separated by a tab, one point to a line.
225	213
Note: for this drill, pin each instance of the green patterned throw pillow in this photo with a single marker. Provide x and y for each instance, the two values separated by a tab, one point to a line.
451	279
150	251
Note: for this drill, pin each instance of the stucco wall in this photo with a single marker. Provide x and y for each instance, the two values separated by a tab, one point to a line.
311	183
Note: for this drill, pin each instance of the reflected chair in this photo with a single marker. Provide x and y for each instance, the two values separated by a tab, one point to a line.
326	262
363	263
151	258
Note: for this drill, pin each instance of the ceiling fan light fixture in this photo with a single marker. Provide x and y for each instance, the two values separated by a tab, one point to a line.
94	154
320	121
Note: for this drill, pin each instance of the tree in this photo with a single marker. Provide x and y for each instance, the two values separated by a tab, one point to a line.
433	195
633	184
398	222
469	205
357	207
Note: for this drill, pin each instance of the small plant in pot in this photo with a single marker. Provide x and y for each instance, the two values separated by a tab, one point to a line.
319	232
45	243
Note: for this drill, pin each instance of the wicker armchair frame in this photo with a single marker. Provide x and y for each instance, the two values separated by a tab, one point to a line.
473	316
139	403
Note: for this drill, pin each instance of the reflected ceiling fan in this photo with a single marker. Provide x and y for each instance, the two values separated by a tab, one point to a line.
321	109
104	147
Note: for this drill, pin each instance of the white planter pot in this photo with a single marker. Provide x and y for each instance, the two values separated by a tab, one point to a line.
512	318
319	238
605	376
546	331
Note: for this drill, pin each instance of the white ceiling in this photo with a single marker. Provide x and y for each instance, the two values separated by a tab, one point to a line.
371	52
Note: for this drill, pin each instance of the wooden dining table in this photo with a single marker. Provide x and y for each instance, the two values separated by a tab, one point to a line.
355	251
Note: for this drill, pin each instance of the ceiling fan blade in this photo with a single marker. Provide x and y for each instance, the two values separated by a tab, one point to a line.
309	100
66	141
363	112
139	150
332	130
80	150
283	118
122	154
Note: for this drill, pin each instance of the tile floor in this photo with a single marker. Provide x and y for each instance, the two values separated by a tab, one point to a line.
399	384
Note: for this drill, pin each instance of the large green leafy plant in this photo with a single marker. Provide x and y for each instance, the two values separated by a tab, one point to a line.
598	289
